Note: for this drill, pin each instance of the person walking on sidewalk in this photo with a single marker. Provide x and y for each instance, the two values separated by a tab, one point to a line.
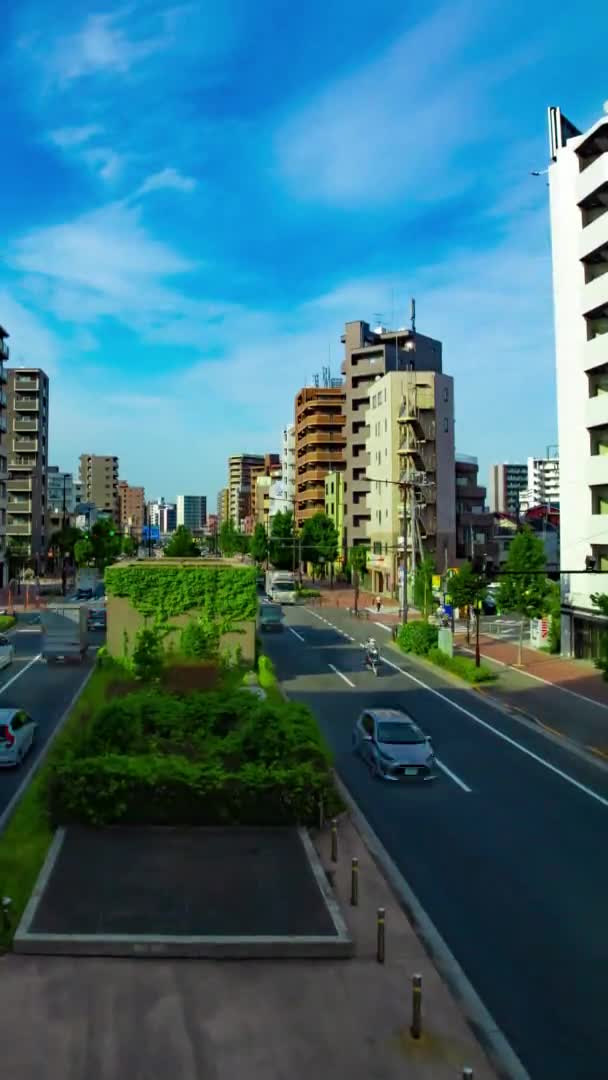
378	604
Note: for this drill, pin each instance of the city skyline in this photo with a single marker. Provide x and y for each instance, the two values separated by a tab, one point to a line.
144	259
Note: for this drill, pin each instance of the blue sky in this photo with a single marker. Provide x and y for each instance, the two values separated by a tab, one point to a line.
196	197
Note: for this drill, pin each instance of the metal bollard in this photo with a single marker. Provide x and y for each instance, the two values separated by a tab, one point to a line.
6	912
381	936
354	882
416	1028
321	815
334	840
467	1074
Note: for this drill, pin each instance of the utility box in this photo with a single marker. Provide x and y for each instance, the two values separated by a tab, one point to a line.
445	641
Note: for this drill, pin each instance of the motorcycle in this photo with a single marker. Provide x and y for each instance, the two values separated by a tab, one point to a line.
372	662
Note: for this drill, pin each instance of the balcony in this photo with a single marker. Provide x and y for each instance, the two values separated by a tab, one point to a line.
19	506
25	446
26	382
4	351
27	404
593	236
595	352
20	424
595	292
18	528
592	178
312	415
596	469
325	456
596	410
24	484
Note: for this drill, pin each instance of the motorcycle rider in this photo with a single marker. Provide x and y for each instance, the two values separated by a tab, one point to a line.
371	651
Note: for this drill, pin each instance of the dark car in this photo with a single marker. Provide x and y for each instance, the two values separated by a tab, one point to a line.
97	619
82	595
270	617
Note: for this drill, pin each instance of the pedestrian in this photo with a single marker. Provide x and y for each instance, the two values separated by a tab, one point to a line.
378	604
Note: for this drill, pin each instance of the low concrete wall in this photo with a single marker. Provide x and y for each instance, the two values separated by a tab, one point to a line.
124	623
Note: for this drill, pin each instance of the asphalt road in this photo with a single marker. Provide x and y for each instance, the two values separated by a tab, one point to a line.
505	850
44	692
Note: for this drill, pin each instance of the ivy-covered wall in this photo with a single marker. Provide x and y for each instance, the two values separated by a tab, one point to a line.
171	592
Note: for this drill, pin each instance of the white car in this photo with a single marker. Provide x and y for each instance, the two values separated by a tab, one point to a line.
7	651
17	733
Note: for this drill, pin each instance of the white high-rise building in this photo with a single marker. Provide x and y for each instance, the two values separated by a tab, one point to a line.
543	484
192	511
578	178
288	466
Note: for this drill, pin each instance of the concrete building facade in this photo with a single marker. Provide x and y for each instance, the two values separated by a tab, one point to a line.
367	354
288	466
240	467
223	505
506	485
474	522
543	484
99	483
27	439
192	512
578	179
132	503
4	355
320	442
410	420
163	515
334	508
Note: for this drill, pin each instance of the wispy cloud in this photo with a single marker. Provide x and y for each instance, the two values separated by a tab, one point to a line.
167	178
102	44
69	137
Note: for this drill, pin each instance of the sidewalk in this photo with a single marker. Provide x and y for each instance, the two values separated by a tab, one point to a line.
243	1020
568	697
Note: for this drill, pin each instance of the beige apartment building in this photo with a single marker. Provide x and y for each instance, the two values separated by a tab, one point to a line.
223	506
99	481
4	355
27	443
320	442
131	501
410	420
368	354
240	468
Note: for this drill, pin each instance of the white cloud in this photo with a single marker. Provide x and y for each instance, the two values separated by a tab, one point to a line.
31	343
74	136
100	45
167	178
108	163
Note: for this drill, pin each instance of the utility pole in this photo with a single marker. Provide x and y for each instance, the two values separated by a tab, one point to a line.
404	560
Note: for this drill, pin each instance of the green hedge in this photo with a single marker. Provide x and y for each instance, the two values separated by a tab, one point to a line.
226	593
462	666
208	758
418	638
6	623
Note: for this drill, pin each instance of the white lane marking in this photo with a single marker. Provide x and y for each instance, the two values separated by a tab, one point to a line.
295	634
19	673
383	626
501	735
453	776
342	675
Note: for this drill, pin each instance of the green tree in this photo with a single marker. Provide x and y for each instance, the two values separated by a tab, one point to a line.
181	545
423	586
228	539
319	540
282	540
243	543
129	546
468	589
523	586
65	539
259	544
601	662
84	552
99	547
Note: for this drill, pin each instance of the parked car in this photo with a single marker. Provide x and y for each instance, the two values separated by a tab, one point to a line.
7	651
82	595
393	745
96	619
17	733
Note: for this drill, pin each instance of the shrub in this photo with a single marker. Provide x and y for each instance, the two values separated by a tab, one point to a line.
199	640
418	638
6	622
266	672
307	594
462	666
148	655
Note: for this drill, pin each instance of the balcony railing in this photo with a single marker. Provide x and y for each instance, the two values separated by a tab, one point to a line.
23	506
25	446
4	351
20	424
27	404
19	485
18	528
26	382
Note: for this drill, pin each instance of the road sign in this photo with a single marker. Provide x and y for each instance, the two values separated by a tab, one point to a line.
436	581
150	533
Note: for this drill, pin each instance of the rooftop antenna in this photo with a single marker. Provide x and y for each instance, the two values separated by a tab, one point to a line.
315	380
413	315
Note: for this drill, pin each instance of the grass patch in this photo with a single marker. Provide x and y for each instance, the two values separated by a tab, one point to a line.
28	834
6	623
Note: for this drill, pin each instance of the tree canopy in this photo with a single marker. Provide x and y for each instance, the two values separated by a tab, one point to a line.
101	545
182	544
319	540
65	539
258	547
467	588
523	585
423	585
282	536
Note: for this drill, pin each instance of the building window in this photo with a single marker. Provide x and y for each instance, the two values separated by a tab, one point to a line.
446	424
377	547
446	394
386	425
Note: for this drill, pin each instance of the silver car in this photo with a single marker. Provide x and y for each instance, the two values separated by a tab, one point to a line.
393	745
17	733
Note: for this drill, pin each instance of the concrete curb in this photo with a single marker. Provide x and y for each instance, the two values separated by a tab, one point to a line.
502	1056
338	945
27	779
